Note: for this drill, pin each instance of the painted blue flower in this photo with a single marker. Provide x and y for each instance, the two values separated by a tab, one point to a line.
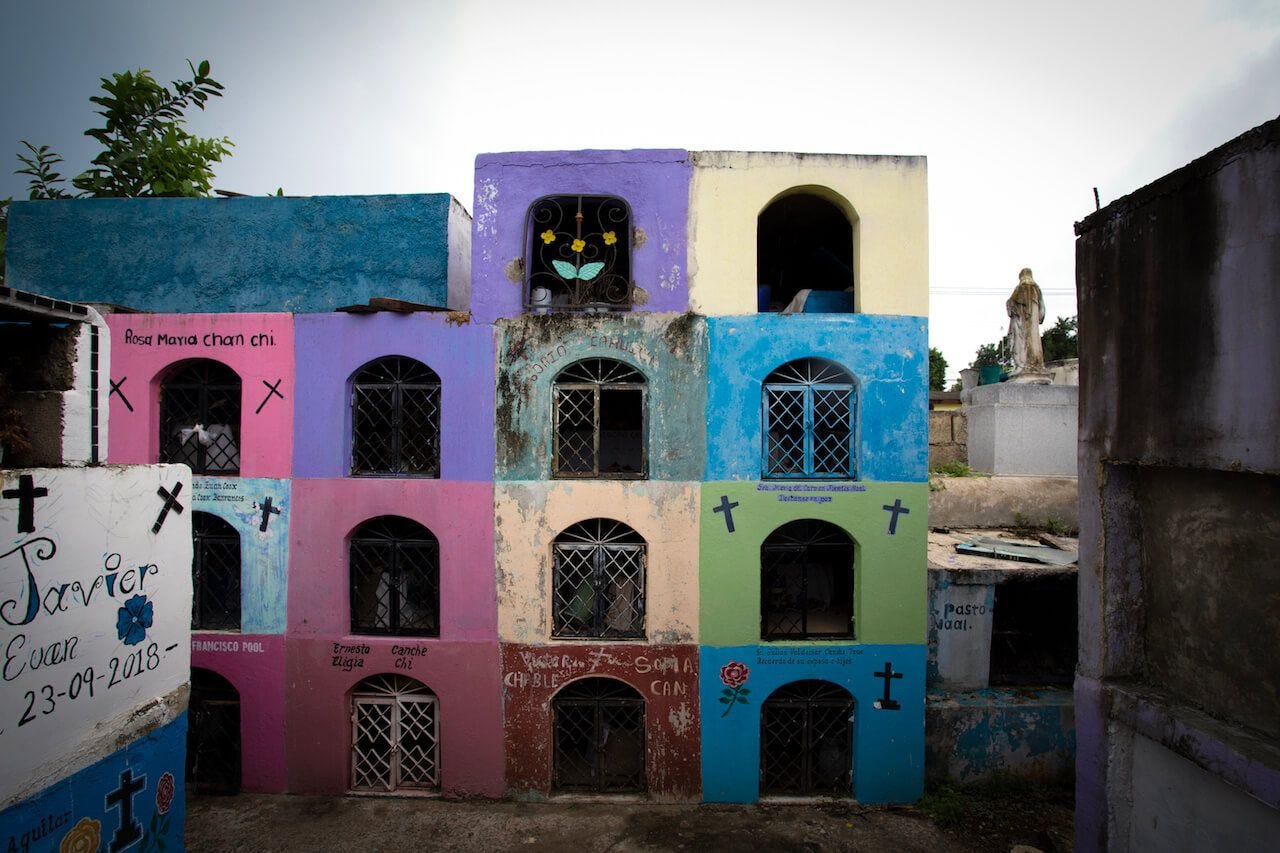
134	619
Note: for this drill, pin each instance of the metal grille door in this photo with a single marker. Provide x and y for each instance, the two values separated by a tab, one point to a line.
200	417
215	574
806	740
599	581
806	582
599	737
395	578
213	735
395	419
395	735
809	411
599	420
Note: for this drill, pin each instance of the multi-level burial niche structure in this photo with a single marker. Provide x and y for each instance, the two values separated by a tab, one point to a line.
654	486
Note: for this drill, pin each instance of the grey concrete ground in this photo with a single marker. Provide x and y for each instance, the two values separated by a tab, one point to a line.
249	823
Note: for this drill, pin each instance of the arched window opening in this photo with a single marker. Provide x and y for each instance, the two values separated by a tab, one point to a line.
395	419
579	254
599	580
598	733
806	582
804	243
200	417
215	574
599	410
806	740
395	735
213	734
395	578
810	421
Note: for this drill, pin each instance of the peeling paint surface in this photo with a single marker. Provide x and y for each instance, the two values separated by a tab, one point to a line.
1024	733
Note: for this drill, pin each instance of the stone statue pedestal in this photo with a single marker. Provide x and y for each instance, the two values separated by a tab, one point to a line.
1023	429
1031	376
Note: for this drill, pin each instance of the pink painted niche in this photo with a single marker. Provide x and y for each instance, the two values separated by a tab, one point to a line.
325	512
463	676
258	347
254	664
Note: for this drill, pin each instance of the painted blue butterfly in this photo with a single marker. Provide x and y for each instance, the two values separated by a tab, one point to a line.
586	272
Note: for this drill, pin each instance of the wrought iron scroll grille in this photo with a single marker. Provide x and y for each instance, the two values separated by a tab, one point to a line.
213	735
395	419
599	581
599	737
215	574
395	735
599	425
810	417
806	740
806	582
579	255
395	578
200	417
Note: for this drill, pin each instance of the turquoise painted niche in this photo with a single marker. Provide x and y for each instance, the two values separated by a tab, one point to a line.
258	509
887	738
887	359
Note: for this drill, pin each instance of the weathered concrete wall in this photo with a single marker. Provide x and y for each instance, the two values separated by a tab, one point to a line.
948	437
885	199
1003	501
240	254
888	357
329	350
258	347
1029	734
654	183
1178	499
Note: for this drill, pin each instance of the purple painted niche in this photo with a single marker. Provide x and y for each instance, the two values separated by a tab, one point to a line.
331	348
655	183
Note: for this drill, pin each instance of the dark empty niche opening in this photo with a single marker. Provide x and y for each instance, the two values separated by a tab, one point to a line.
804	242
621	430
1033	632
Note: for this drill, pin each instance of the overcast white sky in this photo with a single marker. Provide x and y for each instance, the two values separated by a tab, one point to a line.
1021	107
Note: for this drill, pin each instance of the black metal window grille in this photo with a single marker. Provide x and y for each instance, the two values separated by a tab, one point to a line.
200	417
395	419
215	574
395	735
395	578
599	737
599	580
806	582
213	735
599	408
806	740
579	254
810	414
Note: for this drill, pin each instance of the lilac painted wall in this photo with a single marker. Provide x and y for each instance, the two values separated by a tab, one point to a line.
254	664
258	347
330	348
654	182
326	511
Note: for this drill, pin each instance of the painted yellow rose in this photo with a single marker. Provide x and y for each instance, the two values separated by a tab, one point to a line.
548	236
84	837
578	245
610	238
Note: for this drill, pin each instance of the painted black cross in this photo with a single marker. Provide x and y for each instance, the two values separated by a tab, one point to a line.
170	503
887	703
727	508
26	494
272	391
130	830
896	509
115	389
267	511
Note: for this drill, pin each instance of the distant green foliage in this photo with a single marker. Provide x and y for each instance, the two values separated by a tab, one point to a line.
146	151
937	369
1060	341
991	355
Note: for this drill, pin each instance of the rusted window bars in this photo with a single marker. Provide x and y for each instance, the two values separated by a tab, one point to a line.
599	737
395	578
806	739
806	582
599	413
395	735
599	580
200	417
215	574
395	419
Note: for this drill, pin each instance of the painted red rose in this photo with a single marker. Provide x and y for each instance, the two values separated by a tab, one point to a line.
164	793
734	674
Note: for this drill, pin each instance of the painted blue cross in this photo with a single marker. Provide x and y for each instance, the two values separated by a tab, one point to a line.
727	508
26	493
896	509
886	703
267	510
170	503
122	798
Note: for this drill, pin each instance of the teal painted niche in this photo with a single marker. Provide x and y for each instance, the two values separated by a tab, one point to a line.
669	352
888	357
264	554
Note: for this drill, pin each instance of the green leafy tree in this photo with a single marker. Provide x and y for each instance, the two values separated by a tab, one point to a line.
991	355
146	151
937	369
1060	341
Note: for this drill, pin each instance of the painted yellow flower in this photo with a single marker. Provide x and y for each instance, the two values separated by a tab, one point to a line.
84	837
610	238
578	245
548	236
